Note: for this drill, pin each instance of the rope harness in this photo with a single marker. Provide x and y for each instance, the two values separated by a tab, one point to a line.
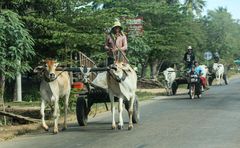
117	78
51	80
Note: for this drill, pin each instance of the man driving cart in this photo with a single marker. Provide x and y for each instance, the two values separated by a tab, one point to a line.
116	44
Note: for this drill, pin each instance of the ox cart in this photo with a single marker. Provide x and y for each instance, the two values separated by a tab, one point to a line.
91	93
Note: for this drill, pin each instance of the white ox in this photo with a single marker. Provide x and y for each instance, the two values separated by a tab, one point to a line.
122	83
170	76
54	85
218	70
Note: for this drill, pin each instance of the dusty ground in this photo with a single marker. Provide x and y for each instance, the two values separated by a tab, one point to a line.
9	132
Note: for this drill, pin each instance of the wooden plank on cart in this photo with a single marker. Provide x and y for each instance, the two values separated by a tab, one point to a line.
81	59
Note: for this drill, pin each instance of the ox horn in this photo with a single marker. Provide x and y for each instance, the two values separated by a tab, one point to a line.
38	69
113	67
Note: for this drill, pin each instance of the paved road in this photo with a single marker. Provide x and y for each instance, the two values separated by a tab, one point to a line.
166	122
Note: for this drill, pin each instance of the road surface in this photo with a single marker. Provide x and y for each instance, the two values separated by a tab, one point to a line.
166	122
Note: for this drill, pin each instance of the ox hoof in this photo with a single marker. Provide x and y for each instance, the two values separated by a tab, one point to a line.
113	127
45	128
55	131
120	127
130	128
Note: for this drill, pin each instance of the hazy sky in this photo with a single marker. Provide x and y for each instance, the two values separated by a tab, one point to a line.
233	6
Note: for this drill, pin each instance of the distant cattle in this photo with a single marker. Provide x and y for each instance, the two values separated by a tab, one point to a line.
122	84
170	76
218	70
54	85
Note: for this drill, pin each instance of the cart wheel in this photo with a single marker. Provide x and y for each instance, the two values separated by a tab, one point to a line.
198	89
81	111
192	91
136	113
174	88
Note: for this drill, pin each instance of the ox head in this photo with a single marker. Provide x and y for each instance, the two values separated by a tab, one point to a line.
47	69
118	71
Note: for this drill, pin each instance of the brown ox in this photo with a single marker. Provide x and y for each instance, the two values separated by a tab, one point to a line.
54	85
122	83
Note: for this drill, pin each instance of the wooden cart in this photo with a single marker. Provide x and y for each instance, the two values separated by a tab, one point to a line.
91	94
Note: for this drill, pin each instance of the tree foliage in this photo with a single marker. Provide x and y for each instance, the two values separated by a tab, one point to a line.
194	6
16	44
62	26
223	34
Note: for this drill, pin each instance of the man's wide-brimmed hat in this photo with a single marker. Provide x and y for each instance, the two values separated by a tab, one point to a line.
117	24
189	47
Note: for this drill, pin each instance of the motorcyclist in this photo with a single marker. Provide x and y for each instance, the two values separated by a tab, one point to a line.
189	58
216	57
199	71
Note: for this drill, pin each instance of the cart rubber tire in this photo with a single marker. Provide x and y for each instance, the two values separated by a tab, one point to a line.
174	88
81	111
192	91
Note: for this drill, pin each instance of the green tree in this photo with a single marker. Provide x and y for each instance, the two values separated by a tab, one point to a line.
194	6
61	26
15	45
169	32
223	34
138	52
172	2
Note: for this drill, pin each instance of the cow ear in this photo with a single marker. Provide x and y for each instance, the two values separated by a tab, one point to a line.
56	64
41	62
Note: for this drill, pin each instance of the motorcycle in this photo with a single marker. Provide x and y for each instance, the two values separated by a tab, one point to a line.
194	86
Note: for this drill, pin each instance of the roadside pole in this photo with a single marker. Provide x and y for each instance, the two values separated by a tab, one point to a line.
19	85
207	56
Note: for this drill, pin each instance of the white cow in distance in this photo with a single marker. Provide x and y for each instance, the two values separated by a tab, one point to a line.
218	70
170	76
55	85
